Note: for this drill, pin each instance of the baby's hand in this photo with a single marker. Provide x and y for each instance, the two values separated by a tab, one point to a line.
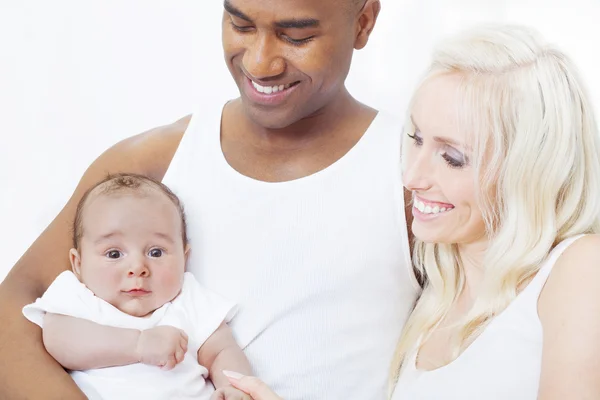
229	393
164	346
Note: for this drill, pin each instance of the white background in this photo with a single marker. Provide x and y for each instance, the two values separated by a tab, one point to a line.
78	76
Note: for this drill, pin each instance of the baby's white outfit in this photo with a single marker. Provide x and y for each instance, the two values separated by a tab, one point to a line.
196	310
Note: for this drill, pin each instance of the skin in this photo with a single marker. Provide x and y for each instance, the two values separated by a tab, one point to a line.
437	171
132	256
568	305
297	142
318	121
131	253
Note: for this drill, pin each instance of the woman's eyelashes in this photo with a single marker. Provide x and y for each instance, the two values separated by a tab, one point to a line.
452	157
453	162
417	139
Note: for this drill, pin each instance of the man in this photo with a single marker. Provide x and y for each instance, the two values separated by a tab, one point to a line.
295	210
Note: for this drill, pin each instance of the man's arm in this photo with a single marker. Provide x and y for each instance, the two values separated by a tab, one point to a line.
27	371
221	352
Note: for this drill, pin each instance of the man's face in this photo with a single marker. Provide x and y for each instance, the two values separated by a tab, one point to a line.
289	58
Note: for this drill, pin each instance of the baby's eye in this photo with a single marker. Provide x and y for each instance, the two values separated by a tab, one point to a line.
113	254
155	253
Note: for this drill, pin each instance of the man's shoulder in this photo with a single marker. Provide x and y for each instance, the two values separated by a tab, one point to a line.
158	142
148	153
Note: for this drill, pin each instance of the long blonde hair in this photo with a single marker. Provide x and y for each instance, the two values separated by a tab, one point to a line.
536	150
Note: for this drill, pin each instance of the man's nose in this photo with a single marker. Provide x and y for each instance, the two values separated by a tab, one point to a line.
263	59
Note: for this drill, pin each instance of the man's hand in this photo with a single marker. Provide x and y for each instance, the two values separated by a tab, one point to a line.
229	393
163	346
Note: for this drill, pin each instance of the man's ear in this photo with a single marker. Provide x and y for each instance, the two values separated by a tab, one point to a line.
367	18
75	259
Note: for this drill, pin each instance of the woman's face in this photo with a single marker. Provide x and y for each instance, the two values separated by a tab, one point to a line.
437	168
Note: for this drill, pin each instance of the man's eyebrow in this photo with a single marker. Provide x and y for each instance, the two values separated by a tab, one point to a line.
234	11
298	23
294	23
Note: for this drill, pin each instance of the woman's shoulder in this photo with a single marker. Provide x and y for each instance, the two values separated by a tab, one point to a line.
574	283
580	256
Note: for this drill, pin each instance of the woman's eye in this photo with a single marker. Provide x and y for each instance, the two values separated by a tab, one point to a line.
452	162
416	138
455	158
155	253
113	254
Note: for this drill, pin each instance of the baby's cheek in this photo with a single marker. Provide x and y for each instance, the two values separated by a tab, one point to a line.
102	281
171	280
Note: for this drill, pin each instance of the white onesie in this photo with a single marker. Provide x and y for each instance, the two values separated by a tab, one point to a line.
196	310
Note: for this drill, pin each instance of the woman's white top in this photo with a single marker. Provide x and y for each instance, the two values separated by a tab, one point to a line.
503	363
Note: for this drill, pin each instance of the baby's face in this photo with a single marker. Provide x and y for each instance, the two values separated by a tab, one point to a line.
131	254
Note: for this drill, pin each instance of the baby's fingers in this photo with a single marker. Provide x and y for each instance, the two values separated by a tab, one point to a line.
184	345
179	355
170	364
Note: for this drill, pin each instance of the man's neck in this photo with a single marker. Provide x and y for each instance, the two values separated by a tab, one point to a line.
299	150
311	131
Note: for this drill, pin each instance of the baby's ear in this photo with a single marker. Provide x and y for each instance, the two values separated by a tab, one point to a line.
75	262
186	253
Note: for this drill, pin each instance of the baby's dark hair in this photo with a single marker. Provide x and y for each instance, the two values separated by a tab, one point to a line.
121	183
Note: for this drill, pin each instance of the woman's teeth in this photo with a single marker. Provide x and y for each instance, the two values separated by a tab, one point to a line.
427	209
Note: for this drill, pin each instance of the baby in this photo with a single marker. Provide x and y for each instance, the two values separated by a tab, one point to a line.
128	321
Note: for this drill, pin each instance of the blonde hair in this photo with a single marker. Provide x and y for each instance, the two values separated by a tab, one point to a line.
537	165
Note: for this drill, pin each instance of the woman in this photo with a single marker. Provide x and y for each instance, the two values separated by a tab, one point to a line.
502	157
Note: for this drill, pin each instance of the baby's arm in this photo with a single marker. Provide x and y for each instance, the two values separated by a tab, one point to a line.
79	344
221	352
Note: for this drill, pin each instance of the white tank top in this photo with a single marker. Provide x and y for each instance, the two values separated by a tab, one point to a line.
504	362
319	266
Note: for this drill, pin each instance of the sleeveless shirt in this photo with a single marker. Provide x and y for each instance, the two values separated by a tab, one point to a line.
319	266
504	362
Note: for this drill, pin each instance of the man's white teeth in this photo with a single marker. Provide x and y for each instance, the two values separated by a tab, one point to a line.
269	89
425	209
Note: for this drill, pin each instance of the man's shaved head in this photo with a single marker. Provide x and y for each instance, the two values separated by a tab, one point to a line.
352	6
